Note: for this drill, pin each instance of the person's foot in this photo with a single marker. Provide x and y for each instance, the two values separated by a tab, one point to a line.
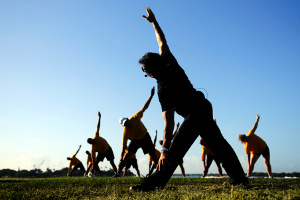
116	175
146	185
244	182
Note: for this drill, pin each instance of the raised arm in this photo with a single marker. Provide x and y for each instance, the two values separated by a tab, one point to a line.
149	100
78	150
160	37
98	124
255	124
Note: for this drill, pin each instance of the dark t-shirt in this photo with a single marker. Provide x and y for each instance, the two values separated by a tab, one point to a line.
175	89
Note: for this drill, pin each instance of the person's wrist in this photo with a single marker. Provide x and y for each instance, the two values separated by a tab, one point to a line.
165	149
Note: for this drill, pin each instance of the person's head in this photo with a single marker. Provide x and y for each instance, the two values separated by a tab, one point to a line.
87	152
152	65
202	142
160	142
124	121
91	141
68	158
242	138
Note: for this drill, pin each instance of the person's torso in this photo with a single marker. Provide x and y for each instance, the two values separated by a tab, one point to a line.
255	144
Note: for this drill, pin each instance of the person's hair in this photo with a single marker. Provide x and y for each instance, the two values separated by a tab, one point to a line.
87	152
152	63
68	158
160	142
201	141
242	138
90	141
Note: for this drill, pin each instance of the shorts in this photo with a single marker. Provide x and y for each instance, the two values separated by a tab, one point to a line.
132	162
109	155
265	152
213	157
145	143
80	165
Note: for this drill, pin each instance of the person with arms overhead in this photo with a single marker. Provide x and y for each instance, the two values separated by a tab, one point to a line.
177	94
254	147
102	148
75	162
136	132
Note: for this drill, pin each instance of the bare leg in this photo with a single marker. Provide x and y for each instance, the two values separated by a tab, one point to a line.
268	165
253	160
182	170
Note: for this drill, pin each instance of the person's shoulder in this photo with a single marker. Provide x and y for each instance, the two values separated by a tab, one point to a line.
138	114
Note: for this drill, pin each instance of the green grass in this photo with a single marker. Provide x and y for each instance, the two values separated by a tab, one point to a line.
118	188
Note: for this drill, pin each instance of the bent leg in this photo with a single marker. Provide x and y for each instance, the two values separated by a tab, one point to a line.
224	152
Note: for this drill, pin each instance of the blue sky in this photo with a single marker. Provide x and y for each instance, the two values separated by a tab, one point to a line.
62	61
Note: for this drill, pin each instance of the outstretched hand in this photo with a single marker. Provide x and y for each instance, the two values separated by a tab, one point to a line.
257	116
99	114
151	17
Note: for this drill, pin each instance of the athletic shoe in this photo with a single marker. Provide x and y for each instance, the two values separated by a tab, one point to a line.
116	175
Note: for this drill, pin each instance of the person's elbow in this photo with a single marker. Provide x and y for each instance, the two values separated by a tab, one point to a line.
163	47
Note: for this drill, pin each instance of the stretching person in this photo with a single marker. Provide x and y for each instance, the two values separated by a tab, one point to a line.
210	156
135	131
177	94
132	162
254	147
74	162
89	164
102	148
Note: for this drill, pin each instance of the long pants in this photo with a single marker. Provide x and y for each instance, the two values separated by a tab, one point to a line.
200	122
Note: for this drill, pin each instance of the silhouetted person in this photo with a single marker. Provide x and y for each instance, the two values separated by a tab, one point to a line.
74	162
102	148
89	164
132	162
177	94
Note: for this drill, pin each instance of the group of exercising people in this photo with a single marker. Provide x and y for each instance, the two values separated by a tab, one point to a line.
176	94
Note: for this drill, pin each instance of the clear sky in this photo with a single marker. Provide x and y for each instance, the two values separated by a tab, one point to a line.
63	61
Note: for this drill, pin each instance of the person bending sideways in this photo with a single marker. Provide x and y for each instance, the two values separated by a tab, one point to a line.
136	132
210	156
254	147
102	148
89	164
75	162
177	94
132	162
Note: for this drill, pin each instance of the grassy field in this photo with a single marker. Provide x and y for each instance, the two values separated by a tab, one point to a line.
118	188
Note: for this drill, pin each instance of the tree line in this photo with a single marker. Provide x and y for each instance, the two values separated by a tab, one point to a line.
38	173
